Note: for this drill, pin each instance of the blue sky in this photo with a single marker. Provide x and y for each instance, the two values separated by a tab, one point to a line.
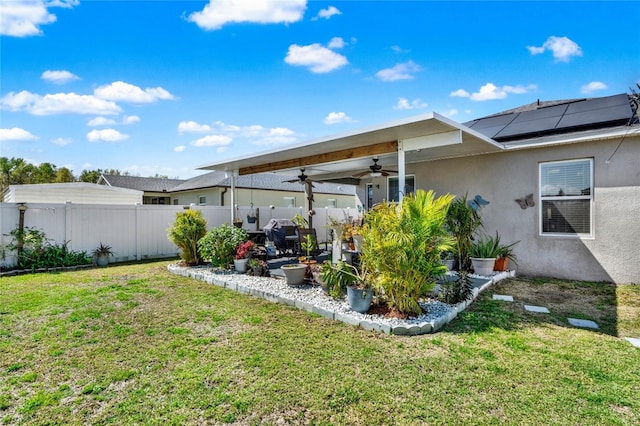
161	87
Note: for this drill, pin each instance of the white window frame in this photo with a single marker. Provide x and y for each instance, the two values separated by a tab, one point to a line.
202	200
590	198
289	201
332	203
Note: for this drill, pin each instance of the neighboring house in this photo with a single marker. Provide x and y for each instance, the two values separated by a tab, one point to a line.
212	189
155	189
75	192
578	162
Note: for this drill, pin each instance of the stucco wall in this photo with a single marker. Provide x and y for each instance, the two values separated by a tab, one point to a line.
262	198
613	254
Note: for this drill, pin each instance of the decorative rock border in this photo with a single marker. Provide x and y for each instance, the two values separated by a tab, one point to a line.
275	290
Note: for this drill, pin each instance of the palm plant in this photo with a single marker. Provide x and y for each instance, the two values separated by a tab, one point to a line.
463	222
403	245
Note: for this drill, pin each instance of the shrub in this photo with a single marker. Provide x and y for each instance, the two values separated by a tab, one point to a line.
189	227
486	248
258	268
220	243
402	248
39	252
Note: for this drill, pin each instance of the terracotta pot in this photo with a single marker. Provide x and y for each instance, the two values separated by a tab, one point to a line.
501	264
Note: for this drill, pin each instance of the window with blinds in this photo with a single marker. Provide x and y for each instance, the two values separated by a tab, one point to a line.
566	195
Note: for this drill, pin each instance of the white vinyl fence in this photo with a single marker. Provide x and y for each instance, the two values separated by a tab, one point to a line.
134	232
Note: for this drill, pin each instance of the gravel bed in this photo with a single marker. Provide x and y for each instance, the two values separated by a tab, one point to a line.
313	299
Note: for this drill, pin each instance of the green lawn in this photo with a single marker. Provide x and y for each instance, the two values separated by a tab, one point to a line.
134	344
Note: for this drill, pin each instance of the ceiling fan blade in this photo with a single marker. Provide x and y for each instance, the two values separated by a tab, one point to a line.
291	180
390	171
359	175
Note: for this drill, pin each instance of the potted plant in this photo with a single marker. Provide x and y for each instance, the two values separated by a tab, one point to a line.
505	254
258	268
101	254
251	216
220	243
316	272
243	253
483	254
345	276
294	273
237	222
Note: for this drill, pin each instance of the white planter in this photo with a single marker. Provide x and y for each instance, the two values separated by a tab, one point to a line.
240	265
483	267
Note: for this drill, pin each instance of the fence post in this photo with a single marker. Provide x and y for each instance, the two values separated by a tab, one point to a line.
138	232
68	223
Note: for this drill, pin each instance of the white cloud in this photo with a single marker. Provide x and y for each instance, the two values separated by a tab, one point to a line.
336	43
179	148
22	18
563	48
106	135
212	140
402	71
337	117
130	119
398	49
16	134
59	103
317	58
193	127
220	12
327	13
61	142
460	93
101	121
125	92
593	87
490	92
405	104
254	134
59	77
452	112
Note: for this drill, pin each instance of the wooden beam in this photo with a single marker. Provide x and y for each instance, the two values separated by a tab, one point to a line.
326	157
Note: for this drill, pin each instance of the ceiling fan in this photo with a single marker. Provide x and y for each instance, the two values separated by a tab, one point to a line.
375	170
303	179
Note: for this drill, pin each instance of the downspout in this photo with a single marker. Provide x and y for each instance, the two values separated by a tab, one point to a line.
222	196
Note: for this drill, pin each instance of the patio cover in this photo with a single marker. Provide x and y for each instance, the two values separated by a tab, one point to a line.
416	139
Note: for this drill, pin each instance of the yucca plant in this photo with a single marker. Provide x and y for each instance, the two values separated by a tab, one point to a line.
486	247
402	248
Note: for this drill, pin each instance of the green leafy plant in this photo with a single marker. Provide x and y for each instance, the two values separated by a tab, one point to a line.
38	251
339	276
300	221
462	221
219	244
402	248
102	250
486	247
189	227
506	251
308	245
455	291
258	268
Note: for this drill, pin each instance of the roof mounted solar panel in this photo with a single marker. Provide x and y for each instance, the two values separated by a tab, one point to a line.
594	112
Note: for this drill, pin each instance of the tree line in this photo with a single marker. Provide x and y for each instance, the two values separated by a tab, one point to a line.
17	171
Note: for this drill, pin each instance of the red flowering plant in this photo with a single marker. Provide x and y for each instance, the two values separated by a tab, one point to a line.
244	249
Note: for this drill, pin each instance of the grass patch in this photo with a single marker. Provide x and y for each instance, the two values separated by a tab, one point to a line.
134	344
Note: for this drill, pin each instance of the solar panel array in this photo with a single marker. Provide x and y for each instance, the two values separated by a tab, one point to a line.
579	114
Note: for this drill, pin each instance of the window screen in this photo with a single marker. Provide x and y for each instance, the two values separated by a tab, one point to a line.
566	189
